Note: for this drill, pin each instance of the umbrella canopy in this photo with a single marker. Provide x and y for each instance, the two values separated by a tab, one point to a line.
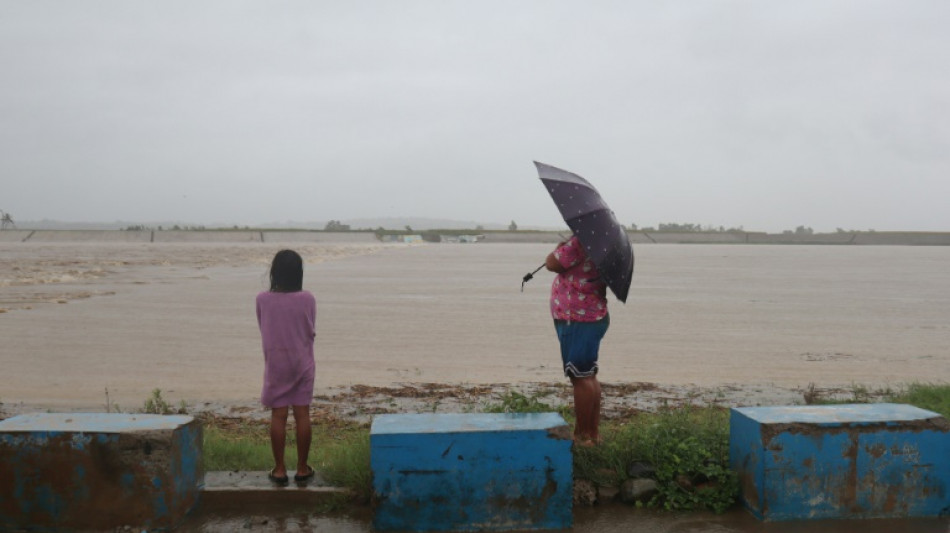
594	224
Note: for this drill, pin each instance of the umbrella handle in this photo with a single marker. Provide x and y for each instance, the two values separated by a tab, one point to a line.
527	277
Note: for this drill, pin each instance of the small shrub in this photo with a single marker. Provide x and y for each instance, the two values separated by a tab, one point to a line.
157	405
690	450
688	447
515	402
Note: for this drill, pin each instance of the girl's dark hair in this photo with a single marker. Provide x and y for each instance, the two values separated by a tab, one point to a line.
286	272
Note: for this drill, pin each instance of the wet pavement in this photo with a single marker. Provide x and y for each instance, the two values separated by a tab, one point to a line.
612	518
247	501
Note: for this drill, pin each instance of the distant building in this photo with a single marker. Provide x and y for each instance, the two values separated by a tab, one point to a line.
460	238
409	239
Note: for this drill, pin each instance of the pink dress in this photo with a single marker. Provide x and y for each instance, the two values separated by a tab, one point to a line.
578	294
288	327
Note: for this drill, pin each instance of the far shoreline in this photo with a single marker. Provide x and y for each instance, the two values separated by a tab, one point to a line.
247	235
359	402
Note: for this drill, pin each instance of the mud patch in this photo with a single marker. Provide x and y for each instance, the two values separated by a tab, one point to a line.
827	356
18	299
359	403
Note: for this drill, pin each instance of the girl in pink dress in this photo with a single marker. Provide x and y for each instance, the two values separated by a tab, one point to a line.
287	316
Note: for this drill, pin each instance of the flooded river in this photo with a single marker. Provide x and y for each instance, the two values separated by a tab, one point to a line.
134	317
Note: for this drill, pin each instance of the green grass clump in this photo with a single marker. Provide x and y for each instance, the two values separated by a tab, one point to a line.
516	402
688	447
929	396
156	405
241	448
344	461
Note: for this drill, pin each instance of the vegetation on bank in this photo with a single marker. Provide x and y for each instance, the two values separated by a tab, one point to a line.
337	226
687	446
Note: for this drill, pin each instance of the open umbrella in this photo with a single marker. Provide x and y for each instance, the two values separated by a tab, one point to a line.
594	224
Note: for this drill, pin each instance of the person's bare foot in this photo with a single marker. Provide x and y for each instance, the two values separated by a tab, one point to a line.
587	442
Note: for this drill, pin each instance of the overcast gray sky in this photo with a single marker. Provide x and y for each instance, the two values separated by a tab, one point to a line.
762	114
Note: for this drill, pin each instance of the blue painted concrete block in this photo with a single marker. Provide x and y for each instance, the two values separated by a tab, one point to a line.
841	461
442	472
98	471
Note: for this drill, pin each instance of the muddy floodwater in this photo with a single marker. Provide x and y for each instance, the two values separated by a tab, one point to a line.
80	319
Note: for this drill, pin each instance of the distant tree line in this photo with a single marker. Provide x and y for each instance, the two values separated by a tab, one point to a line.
800	230
688	228
176	227
336	225
699	228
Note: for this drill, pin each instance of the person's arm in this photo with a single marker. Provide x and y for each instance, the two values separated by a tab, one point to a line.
313	316
552	263
257	305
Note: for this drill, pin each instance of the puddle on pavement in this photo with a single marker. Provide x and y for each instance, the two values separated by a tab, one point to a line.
621	519
601	519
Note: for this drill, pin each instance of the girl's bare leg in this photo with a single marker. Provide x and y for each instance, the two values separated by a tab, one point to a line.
302	421
278	439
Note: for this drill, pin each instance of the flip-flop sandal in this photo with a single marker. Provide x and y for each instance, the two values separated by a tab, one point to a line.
280	480
306	477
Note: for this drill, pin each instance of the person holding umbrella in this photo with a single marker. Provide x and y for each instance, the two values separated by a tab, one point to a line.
598	256
579	309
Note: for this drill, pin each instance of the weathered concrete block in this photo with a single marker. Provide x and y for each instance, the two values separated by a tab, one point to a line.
98	471
841	461
440	472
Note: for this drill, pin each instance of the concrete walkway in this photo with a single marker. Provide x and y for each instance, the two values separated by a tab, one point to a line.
235	488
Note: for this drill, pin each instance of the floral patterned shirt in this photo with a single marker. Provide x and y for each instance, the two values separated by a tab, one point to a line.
577	294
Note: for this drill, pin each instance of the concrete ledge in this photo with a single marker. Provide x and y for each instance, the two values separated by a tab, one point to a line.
88	236
841	461
791	238
480	472
671	237
552	237
184	236
98	471
318	237
227	489
902	238
17	235
206	236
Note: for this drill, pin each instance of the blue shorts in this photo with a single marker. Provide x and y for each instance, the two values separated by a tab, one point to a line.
580	344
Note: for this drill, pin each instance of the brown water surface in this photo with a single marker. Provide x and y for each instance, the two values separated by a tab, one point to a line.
85	318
